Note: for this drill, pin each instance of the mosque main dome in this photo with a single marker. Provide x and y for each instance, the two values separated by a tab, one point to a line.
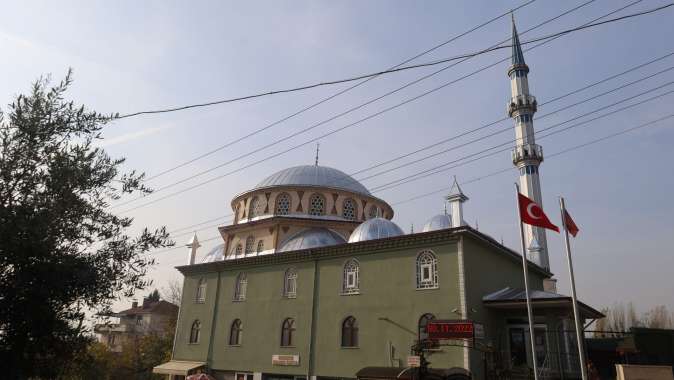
313	175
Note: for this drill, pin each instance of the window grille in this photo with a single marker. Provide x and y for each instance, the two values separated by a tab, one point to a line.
349	209
283	204
239	250
427	270
423	322
201	291
250	241
290	283
255	208
351	281
316	205
240	287
260	246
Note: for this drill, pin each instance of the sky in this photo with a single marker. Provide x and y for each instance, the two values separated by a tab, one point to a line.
129	56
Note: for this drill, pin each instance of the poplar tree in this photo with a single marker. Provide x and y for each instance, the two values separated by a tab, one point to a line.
63	252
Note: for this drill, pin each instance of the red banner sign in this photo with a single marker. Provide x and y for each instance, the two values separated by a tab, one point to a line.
439	329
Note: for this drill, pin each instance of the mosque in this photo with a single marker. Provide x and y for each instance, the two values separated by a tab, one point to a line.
313	280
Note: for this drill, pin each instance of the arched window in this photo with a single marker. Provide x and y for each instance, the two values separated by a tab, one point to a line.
373	213
240	287
201	291
250	241
283	204
350	280
260	246
238	250
255	208
290	283
287	330
427	270
195	332
235	333
423	321
349	209
350	332
316	205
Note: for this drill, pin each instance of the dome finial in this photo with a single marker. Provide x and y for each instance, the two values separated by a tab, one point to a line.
318	146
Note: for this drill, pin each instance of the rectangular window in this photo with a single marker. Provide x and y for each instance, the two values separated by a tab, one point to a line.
426	273
350	280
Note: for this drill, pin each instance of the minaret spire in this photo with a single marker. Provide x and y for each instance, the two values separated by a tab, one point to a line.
456	199
527	155
318	146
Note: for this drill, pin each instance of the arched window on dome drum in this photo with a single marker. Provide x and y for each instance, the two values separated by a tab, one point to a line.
238	250
290	283
427	270
373	213
235	333
250	241
316	205
255	208
195	331
201	291
350	332
260	246
240	287
423	322
283	204
287	330
350	280
349	209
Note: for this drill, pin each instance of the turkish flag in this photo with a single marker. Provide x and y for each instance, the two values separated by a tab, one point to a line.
531	213
570	225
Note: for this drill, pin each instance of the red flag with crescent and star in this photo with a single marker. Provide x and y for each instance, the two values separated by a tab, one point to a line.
531	213
570	224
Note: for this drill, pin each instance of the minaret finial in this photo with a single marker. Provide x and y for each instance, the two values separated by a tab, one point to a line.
412	228
318	146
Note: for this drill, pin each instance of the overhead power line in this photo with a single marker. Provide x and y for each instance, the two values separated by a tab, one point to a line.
326	99
393	70
555	99
501	171
564	151
372	116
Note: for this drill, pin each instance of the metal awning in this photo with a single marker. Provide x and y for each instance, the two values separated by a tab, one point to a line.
177	367
514	298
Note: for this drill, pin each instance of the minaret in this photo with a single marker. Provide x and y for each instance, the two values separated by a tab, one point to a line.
192	245
456	198
527	156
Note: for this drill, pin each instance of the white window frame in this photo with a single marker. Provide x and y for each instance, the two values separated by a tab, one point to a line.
201	291
290	283
351	277
240	287
426	270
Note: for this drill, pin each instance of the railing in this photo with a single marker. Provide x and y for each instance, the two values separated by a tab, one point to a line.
522	101
527	152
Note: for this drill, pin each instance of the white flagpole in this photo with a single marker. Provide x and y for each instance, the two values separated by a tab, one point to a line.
576	317
526	285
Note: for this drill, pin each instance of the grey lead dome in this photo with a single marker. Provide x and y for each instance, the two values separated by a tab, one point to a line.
312	175
438	222
311	238
375	228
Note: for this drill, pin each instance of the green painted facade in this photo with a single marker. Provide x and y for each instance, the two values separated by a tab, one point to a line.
387	308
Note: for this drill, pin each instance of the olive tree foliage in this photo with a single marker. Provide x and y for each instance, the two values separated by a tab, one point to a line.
62	251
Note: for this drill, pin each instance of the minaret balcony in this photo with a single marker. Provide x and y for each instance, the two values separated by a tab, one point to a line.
522	102
527	152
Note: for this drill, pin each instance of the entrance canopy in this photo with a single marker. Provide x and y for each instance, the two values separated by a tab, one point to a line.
177	367
515	298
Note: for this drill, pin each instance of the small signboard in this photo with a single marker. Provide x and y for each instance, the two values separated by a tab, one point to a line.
413	361
450	329
285	360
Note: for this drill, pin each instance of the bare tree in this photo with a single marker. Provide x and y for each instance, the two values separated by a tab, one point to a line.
173	291
659	318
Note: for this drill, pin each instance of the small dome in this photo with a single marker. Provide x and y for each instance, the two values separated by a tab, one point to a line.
215	254
438	222
314	175
311	238
375	228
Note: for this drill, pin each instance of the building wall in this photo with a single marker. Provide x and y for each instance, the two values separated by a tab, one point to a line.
387	310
